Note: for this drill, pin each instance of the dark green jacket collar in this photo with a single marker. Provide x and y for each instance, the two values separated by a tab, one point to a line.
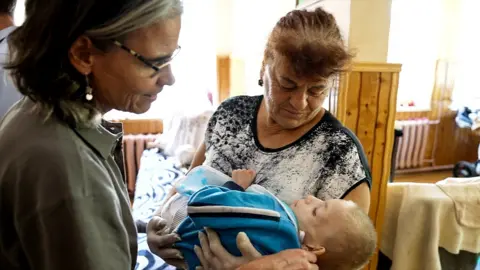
104	138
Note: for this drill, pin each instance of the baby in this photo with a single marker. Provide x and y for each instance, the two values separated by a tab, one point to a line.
338	231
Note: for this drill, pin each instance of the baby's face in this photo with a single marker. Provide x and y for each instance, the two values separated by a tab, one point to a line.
319	219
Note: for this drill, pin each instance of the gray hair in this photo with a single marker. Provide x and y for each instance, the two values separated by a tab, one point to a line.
144	15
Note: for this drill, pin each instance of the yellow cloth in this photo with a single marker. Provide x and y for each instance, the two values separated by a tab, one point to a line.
419	218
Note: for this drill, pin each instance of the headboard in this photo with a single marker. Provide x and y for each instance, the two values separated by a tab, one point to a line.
141	126
365	101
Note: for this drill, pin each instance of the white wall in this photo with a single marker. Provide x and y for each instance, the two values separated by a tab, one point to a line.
341	11
242	29
224	25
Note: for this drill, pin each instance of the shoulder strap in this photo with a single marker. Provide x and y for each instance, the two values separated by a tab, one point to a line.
1	40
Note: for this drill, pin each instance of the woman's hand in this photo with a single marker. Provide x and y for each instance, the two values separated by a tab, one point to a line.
161	243
213	256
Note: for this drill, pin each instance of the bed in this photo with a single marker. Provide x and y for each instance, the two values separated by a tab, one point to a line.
155	177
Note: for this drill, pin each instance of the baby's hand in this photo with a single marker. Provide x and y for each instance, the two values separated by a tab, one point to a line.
243	178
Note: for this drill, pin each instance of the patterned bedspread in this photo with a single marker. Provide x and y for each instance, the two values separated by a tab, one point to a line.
157	172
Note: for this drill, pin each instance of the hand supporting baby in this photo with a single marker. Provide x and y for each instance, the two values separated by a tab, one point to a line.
243	178
214	256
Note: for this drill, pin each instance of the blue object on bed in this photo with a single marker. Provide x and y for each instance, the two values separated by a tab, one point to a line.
154	181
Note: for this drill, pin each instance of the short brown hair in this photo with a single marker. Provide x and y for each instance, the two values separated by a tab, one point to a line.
353	248
311	41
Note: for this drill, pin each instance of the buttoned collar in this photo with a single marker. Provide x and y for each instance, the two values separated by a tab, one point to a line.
103	138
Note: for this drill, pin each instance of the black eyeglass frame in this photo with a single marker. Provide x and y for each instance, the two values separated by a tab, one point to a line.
156	68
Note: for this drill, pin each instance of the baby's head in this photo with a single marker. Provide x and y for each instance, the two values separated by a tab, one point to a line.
338	231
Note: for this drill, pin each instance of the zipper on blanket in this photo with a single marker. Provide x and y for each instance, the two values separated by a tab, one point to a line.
235	215
232	212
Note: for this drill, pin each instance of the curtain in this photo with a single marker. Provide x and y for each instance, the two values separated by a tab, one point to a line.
466	88
436	43
414	42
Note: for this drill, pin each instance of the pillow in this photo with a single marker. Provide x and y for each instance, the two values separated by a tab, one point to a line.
183	133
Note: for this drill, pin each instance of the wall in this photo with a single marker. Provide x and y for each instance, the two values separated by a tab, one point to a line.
365	25
369	29
224	21
242	32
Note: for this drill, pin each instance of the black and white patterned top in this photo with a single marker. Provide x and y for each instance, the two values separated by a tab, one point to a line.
327	162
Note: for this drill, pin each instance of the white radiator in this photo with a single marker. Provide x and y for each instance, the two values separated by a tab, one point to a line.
413	143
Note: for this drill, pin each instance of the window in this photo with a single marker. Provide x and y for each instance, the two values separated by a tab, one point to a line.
466	91
414	43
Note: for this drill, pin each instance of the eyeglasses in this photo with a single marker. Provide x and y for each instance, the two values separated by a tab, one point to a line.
158	65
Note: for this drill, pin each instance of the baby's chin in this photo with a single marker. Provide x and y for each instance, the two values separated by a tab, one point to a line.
294	210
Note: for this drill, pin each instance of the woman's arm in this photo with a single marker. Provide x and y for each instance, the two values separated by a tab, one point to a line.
198	160
199	157
160	242
361	196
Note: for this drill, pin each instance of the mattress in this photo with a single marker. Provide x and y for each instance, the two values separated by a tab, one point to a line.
155	177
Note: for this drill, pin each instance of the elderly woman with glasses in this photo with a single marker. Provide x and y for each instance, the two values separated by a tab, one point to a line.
63	196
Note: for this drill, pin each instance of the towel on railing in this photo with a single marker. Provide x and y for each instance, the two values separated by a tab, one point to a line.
420	218
465	194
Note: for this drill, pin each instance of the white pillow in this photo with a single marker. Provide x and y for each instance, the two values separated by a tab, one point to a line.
183	133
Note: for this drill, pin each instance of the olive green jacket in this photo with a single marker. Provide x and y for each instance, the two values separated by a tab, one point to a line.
63	197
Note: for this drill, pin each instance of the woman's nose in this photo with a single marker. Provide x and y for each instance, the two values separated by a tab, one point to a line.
298	100
166	77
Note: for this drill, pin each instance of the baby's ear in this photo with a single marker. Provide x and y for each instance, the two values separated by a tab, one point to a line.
315	249
319	251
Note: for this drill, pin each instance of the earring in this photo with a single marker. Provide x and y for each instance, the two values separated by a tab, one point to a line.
260	82
88	90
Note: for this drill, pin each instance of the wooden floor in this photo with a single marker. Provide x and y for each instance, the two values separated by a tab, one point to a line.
423	177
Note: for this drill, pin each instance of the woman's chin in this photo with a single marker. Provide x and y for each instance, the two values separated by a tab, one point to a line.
141	109
137	108
290	123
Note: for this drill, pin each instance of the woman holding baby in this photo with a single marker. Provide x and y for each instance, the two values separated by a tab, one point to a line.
294	145
63	196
